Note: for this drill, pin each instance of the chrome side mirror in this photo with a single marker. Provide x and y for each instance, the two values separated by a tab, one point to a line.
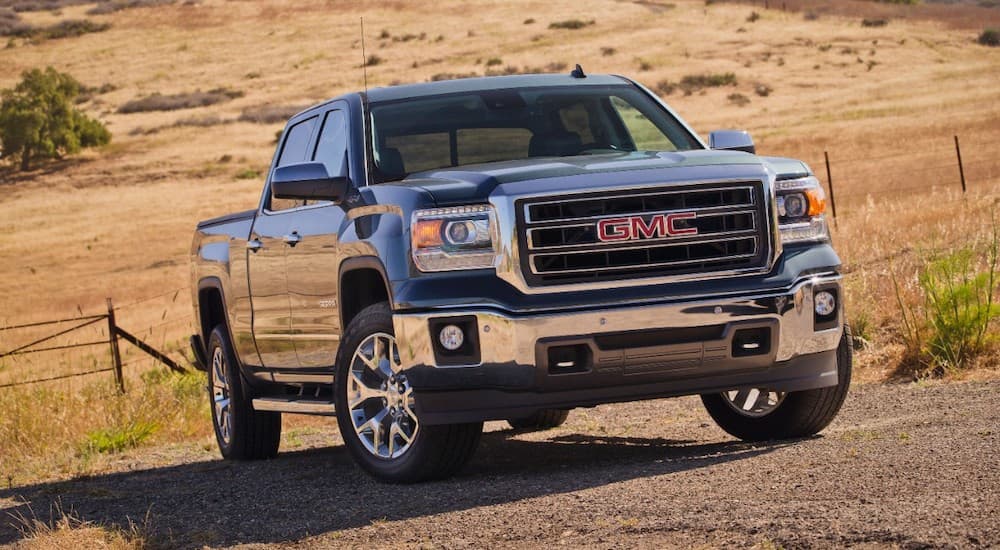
731	140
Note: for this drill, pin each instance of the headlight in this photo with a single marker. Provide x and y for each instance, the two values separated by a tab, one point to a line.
801	205
447	239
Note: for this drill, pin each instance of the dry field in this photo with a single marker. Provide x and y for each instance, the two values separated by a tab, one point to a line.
883	101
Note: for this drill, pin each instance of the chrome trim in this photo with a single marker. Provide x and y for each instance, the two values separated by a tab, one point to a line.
508	262
295	378
294	405
507	339
642	266
527	209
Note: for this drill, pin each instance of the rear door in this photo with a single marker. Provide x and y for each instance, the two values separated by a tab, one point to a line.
270	239
313	261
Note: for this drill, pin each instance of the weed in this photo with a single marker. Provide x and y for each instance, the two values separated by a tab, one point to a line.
249	173
571	24
494	61
118	438
754	16
861	329
739	100
694	82
608	51
990	37
881	22
763	90
373	60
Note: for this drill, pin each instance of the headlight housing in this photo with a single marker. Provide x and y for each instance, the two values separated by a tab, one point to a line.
455	238
801	209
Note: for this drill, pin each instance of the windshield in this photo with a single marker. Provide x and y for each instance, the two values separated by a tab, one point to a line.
446	131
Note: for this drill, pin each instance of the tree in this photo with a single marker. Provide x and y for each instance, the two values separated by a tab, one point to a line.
38	119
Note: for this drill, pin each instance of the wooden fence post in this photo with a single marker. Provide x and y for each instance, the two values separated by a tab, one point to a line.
829	181
116	357
961	169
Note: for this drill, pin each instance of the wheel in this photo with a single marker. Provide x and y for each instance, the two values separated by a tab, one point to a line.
242	432
758	414
375	409
544	419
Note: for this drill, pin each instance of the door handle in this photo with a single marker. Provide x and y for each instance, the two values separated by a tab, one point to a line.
253	245
292	239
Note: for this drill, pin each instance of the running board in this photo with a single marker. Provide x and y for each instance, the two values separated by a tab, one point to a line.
294	405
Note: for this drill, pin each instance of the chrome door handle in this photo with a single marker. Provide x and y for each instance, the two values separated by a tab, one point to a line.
292	239
253	245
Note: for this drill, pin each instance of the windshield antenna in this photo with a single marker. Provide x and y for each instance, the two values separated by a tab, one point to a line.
364	59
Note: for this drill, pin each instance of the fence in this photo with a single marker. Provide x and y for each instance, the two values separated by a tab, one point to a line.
115	333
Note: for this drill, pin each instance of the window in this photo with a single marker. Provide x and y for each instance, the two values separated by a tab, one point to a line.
293	150
645	134
331	147
417	152
478	145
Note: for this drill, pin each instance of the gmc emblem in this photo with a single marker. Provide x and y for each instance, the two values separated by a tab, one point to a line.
635	227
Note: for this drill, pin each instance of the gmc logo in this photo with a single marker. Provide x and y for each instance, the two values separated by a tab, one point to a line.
634	227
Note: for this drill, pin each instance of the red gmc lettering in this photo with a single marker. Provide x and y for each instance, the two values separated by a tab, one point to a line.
635	227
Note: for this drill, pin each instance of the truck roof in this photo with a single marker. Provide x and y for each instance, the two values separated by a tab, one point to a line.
479	84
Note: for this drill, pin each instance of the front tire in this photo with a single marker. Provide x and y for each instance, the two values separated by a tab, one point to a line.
241	432
759	414
545	419
375	409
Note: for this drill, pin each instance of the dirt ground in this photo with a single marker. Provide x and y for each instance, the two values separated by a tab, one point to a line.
903	466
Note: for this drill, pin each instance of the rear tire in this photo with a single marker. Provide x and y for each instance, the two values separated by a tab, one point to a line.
545	419
796	414
241	432
382	431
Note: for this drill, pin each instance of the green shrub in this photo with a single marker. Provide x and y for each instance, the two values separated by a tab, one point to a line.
494	61
990	37
951	326
38	119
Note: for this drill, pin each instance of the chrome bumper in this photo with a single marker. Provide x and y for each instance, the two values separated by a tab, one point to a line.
514	340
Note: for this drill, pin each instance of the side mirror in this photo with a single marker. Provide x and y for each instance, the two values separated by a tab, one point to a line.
731	140
308	181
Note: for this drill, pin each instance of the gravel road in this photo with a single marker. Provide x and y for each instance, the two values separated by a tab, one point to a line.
904	466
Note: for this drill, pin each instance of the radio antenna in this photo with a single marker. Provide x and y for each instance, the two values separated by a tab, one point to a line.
364	58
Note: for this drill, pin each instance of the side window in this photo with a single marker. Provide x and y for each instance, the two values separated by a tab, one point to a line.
293	150
331	147
645	134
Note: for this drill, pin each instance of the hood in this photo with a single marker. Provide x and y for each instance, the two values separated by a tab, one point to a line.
472	183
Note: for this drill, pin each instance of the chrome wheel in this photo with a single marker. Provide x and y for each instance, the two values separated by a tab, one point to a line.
221	398
380	398
754	402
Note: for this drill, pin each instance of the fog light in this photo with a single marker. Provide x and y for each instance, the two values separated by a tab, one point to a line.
825	303
451	337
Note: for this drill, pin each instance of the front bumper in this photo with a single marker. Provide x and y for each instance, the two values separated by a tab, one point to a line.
625	353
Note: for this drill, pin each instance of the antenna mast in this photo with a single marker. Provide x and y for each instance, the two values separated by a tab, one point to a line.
364	58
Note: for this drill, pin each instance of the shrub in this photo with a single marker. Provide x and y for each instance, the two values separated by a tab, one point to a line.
173	102
739	100
645	65
694	82
990	37
950	327
754	16
571	24
38	119
270	114
763	90
874	22
665	87
11	24
373	60
247	174
607	51
118	5
73	27
529	21
494	61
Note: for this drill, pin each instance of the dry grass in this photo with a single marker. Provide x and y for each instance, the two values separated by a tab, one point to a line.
65	530
119	222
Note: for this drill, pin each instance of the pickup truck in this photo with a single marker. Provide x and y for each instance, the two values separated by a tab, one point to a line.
428	257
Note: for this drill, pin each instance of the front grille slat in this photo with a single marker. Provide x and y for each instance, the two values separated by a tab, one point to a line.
560	243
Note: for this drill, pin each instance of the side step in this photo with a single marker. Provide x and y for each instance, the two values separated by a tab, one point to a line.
295	404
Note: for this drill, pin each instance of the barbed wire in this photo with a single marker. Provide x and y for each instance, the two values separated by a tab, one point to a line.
51	378
176	292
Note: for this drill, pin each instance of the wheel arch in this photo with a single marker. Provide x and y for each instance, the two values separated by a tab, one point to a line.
362	282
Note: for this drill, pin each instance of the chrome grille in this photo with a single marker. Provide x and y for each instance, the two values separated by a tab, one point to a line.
560	242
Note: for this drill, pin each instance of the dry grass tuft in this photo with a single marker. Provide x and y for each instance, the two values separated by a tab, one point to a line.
64	529
173	102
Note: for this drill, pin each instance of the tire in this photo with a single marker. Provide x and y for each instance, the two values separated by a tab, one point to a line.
545	419
797	414
241	432
382	432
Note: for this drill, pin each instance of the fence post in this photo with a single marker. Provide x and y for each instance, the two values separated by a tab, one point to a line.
116	357
829	181
961	169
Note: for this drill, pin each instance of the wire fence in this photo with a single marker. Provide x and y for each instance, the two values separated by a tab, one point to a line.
41	344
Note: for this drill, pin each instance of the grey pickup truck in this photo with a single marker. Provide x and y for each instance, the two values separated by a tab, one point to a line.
428	257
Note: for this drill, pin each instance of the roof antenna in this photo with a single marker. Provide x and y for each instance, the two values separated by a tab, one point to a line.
578	72
364	58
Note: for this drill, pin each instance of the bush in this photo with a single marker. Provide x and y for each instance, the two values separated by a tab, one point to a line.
494	61
73	27
874	22
739	100
694	82
189	100
119	438
754	16
990	37
373	60
118	5
270	114
38	119
607	51
951	326
571	24
11	24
